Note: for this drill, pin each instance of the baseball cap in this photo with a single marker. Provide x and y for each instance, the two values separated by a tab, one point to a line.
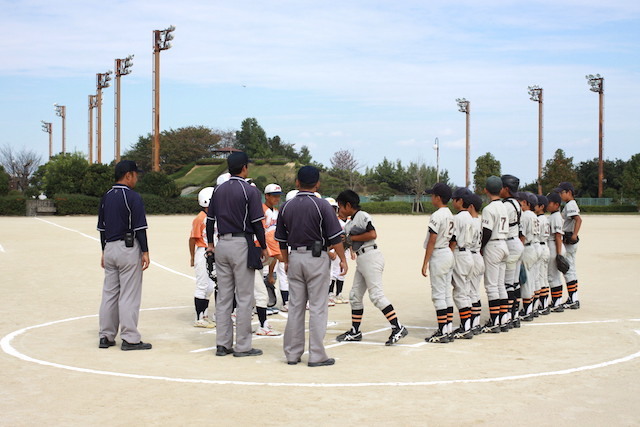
273	189
473	199
442	190
237	160
564	186
542	200
125	166
291	194
332	201
554	197
460	192
493	184
223	178
308	175
532	199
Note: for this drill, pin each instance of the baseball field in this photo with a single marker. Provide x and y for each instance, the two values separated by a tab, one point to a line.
580	367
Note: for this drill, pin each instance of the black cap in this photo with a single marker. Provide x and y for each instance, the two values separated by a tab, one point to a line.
473	199
442	190
125	166
531	198
511	182
460	192
493	185
237	160
554	197
564	186
542	200
308	175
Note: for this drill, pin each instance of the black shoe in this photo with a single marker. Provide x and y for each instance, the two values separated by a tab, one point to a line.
516	323
327	362
439	337
557	309
350	336
105	343
490	328
293	362
504	328
223	351
545	311
461	334
535	313
137	346
573	305
396	335
252	352
477	330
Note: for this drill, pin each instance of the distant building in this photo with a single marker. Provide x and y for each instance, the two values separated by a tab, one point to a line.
224	152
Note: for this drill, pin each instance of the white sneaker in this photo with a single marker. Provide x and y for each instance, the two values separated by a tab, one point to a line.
267	331
285	307
341	300
331	302
204	323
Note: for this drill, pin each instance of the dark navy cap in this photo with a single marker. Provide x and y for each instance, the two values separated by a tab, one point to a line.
493	185
460	192
442	190
125	166
237	160
564	186
542	200
308	175
554	197
473	199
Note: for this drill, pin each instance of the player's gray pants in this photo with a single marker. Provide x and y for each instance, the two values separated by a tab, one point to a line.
571	250
512	268
440	271
476	277
368	276
234	278
530	257
309	279
553	275
543	267
121	291
495	256
460	279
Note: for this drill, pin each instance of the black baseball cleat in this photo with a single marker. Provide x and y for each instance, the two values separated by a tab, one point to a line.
396	335
545	311
573	305
327	362
461	334
350	336
515	322
252	352
293	362
477	330
490	328
223	351
439	338
105	343
557	309
126	346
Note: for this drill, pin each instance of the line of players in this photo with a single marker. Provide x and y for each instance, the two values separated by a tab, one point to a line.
513	247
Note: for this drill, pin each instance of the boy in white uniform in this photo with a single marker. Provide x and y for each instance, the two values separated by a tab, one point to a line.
509	307
543	283
531	254
555	247
571	227
438	260
495	228
337	280
463	262
473	202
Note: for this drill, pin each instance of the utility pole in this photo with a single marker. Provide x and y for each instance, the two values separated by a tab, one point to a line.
46	127
436	146
535	94
464	106
597	85
61	111
123	67
161	39
93	101
102	82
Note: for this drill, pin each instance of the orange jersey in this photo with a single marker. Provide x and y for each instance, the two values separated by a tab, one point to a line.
199	230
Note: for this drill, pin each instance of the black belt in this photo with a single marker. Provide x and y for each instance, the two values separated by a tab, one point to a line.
462	249
542	243
510	238
305	247
363	250
474	252
527	244
233	234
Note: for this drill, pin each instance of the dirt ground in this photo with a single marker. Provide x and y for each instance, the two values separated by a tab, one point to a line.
580	367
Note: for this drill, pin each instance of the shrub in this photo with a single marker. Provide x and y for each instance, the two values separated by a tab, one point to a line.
210	162
387	207
609	209
157	183
156	205
260	162
13	205
278	162
76	204
98	179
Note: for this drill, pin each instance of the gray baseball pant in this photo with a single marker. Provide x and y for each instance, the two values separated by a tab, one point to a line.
369	267
495	255
461	277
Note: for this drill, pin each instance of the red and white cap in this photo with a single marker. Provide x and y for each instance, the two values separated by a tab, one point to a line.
273	189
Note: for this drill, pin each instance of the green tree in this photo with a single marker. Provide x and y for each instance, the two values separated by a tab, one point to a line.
4	182
157	183
282	149
631	178
305	155
64	173
177	147
97	180
558	169
383	193
486	166
252	139
587	173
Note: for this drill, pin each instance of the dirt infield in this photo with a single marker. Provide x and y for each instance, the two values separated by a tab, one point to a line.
577	367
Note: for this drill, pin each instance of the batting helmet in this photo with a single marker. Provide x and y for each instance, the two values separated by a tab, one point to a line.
332	201
204	196
291	194
511	182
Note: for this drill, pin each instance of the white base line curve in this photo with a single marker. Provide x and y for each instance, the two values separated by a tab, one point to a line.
97	240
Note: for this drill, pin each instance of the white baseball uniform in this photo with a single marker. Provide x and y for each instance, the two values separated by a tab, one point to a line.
441	261
463	260
495	253
570	210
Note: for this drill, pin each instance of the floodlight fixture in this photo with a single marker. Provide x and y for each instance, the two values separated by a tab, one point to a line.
46	127
122	67
535	93
161	39
463	105
596	82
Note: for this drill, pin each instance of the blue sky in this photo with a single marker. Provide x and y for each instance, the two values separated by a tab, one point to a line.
379	78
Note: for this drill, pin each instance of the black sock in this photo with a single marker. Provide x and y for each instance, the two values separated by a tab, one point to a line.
356	319
391	316
516	301
339	286
285	296
333	283
442	320
494	311
262	315
201	306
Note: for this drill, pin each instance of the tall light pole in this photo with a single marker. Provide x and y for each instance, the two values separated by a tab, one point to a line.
464	106
93	103
535	94
597	85
46	127
161	39
61	111
123	67
436	146
102	82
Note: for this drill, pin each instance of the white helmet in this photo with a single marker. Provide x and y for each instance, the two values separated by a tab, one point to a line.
204	196
223	178
318	195
332	201
291	194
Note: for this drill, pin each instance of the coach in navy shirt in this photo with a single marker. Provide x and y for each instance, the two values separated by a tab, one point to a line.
305	222
125	254
236	207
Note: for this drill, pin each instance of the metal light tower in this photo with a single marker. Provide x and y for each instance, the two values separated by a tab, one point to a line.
46	127
61	111
464	106
102	82
161	39
123	67
93	103
597	85
535	94
436	146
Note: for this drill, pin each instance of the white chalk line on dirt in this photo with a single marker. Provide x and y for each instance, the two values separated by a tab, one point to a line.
6	346
97	240
2	249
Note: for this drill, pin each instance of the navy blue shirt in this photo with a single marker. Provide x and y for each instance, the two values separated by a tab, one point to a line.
306	219
121	210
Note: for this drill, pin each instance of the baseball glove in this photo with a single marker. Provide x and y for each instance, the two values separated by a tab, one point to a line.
211	265
562	264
